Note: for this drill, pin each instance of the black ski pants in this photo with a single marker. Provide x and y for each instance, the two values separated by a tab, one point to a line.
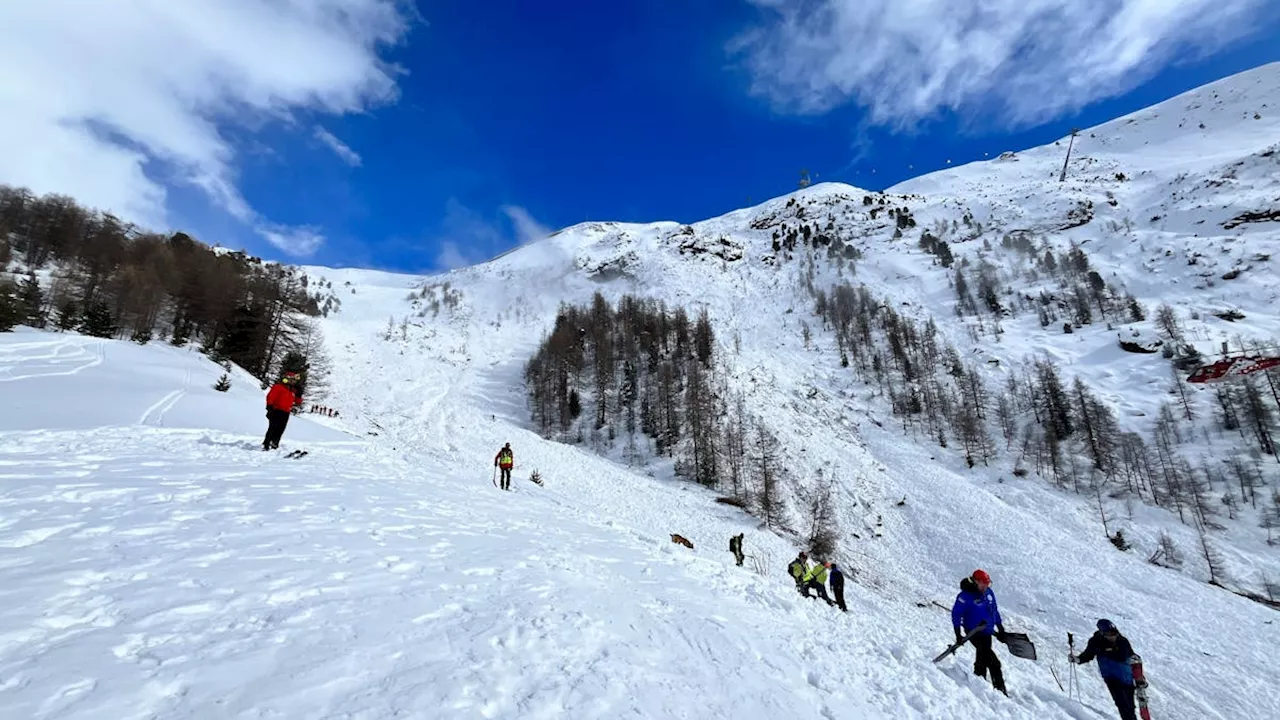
1123	695
276	422
986	661
504	480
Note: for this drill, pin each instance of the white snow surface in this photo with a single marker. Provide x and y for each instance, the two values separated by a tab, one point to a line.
155	564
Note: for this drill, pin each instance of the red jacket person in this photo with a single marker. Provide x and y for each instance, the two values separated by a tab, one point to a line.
280	401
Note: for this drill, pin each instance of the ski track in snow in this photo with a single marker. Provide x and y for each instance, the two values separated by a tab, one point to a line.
71	356
156	412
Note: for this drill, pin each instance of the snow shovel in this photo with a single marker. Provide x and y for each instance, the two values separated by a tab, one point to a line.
1019	645
956	646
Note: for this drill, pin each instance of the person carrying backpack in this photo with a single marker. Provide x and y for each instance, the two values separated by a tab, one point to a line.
505	460
1115	656
974	606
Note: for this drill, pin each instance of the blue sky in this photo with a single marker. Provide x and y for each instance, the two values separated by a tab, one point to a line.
423	137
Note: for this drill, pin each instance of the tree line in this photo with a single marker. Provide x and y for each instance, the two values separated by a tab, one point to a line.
649	378
88	271
1060	427
1056	425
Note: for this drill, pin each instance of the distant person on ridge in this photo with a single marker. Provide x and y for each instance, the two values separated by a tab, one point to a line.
974	606
735	547
1114	655
504	460
280	402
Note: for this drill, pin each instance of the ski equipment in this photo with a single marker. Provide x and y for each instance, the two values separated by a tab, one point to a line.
1073	681
1140	687
1229	367
956	645
1053	670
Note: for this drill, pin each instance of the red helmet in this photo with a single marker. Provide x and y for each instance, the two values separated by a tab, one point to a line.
981	576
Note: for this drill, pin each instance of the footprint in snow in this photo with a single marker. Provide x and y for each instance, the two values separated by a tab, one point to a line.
815	680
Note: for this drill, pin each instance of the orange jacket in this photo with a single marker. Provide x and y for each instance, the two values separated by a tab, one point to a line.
281	397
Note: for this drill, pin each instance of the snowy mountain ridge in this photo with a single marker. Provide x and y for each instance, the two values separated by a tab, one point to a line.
154	565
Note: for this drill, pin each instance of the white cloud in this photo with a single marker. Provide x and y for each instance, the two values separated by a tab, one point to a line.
341	149
1022	61
109	102
300	241
466	237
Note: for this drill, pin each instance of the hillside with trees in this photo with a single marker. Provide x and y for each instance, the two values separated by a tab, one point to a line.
649	379
66	267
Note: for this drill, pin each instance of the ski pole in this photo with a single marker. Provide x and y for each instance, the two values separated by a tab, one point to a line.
1072	681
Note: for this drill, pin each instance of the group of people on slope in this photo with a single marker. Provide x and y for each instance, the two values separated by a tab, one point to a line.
323	410
976	611
816	576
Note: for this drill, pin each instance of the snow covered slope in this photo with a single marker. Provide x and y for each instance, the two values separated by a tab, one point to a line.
1171	191
150	571
156	570
448	379
75	382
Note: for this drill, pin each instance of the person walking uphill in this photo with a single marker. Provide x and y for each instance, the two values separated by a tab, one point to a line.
1114	654
974	606
735	547
505	460
280	401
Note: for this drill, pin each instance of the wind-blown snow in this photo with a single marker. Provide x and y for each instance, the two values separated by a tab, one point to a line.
154	563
